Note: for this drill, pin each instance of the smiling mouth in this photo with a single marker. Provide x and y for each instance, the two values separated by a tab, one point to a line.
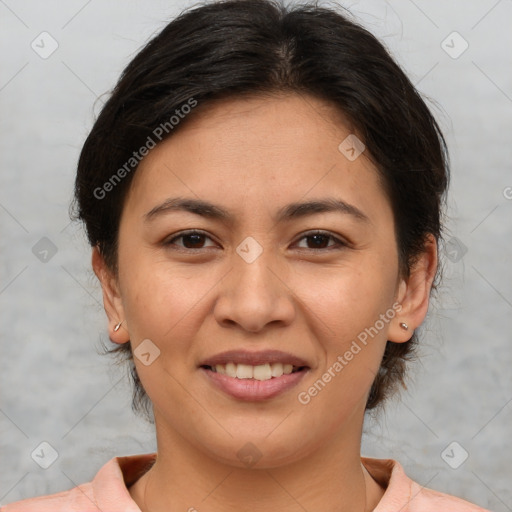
259	372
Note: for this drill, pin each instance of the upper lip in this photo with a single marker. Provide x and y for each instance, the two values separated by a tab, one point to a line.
254	358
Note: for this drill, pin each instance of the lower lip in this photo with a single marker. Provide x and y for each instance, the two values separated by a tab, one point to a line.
252	389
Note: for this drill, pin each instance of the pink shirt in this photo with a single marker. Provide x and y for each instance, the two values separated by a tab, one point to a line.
108	491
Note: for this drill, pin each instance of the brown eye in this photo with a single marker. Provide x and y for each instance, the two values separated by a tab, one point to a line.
190	240
321	240
318	241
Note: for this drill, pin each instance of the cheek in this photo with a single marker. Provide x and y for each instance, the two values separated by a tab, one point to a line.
159	299
349	298
352	338
353	308
163	305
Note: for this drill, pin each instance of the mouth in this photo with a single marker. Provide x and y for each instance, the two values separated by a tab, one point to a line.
261	372
254	376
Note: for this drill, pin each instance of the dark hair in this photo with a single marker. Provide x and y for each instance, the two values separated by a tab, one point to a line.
233	48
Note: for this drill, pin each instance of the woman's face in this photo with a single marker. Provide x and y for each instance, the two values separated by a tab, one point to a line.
257	278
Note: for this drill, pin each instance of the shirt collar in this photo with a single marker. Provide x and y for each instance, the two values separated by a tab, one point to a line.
111	483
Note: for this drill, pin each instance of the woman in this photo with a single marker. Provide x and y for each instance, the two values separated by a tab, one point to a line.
262	194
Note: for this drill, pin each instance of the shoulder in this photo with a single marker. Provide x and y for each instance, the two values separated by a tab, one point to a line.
79	498
429	500
108	491
402	493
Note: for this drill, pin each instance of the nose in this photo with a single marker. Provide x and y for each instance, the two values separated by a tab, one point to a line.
254	295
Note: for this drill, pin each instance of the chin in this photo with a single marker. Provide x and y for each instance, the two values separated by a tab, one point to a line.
264	450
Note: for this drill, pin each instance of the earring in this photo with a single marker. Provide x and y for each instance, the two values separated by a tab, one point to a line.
116	328
404	326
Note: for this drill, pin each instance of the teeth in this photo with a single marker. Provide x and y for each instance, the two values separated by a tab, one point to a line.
230	369
247	371
244	371
220	368
262	372
276	369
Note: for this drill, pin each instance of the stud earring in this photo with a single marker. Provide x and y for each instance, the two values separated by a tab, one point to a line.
404	326
116	328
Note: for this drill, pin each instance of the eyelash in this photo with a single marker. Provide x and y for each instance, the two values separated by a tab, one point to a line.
339	244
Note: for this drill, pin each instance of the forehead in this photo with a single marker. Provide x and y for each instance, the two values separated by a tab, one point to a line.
245	153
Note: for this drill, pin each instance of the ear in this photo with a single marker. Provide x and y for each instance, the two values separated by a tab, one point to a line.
414	293
111	298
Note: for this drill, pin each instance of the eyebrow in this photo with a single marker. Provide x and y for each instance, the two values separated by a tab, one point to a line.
287	213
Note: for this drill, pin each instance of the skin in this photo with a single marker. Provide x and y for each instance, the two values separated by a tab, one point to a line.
195	299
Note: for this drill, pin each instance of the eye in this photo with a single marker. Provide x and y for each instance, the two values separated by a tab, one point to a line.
315	240
320	240
193	239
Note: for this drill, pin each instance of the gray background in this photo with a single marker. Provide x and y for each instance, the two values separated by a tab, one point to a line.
54	385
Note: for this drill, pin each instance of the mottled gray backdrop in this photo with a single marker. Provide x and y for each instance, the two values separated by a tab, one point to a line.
57	59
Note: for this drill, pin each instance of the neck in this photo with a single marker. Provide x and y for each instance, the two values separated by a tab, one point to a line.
185	478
